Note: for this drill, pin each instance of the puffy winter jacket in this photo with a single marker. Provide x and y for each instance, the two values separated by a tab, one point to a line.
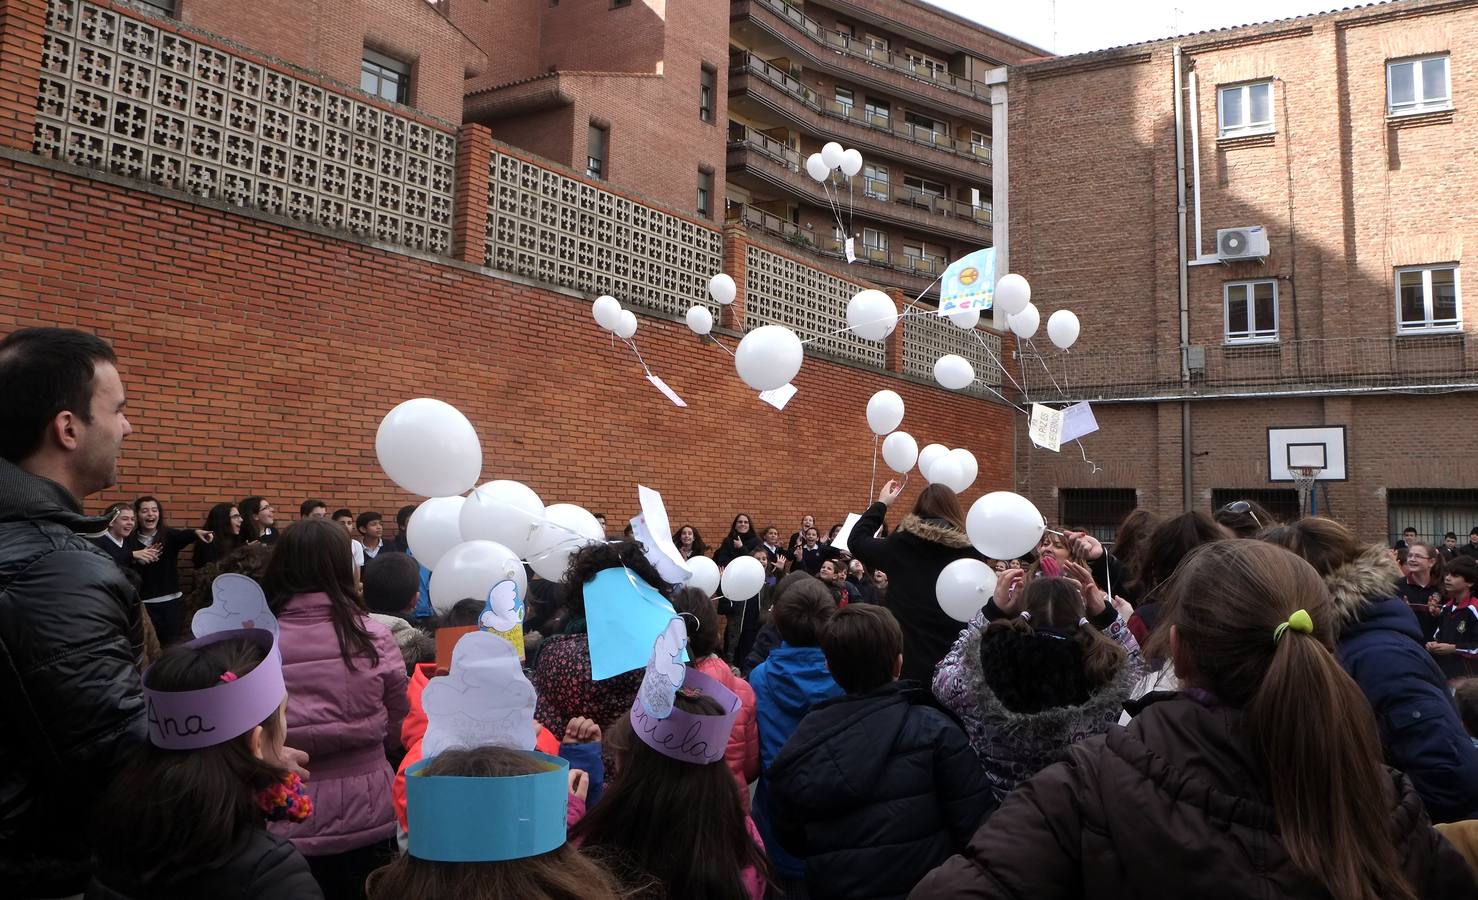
265	867
743	753
874	790
1384	650
71	636
1173	806
346	721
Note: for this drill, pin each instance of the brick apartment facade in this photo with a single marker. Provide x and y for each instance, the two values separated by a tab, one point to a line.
1357	186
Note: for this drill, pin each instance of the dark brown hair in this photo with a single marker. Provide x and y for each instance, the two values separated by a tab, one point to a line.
248	559
803	606
1466	695
1055	605
1132	535
862	643
1248	522
1309	724
1322	543
701	616
391	582
314	556
1171	541
1465	568
592	559
680	824
562	874
939	502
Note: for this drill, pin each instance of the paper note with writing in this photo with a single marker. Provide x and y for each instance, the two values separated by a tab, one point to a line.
667	392
1046	427
484	700
1078	421
237	601
653	529
851	246
779	396
665	670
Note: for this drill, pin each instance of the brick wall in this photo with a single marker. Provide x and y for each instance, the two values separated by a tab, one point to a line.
260	359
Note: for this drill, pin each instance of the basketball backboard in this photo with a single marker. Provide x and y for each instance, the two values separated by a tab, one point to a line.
1322	448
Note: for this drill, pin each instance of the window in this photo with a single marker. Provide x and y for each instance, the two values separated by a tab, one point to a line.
1097	511
1427	299
707	91
597	145
705	193
617	4
875	182
875	243
162	7
879	44
1245	109
980	144
920	60
1418	85
1281	502
926	129
925	186
845	100
876	111
384	76
1251	311
1432	512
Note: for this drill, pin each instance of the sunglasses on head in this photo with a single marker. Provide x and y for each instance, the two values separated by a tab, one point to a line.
1239	507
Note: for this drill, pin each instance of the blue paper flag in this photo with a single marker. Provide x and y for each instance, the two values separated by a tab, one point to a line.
969	283
624	616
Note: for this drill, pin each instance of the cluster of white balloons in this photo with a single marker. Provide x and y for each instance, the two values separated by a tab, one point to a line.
1001	525
610	316
832	157
1013	295
470	543
722	289
956	469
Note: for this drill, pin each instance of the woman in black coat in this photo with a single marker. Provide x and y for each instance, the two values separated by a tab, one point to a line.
927	540
740	541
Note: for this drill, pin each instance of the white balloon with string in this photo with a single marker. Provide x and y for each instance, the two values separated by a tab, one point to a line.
722	289
607	312
769	357
1012	294
969	469
817	168
851	163
565	529
900	451
966	320
1024	324
505	512
929	456
953	372
872	315
699	320
963	587
1062	328
832	154
434	528
1004	525
884	412
626	325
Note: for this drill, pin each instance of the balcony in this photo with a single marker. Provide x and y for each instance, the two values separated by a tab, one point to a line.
842	53
852	125
1312	366
776	163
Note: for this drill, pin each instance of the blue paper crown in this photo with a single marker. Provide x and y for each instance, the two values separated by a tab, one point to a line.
462	819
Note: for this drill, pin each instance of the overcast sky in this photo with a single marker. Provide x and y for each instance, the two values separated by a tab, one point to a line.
1082	25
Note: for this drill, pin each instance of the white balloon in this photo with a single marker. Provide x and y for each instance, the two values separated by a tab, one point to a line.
967	319
743	578
700	320
1003	525
566	528
705	574
428	447
945	471
1025	322
930	455
471	569
722	289
1012	294
769	357
900	451
969	469
607	312
626	325
506	512
817	168
963	587
435	527
884	412
831	154
953	372
872	315
1063	327
851	163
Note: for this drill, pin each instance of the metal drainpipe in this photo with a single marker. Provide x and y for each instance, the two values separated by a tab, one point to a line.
1185	371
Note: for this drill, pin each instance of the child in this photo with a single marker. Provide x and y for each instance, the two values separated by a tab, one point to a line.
791	680
392	587
187	815
876	787
464	865
1455	643
743	753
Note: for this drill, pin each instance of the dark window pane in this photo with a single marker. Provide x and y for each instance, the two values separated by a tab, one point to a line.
1413	310
1444	296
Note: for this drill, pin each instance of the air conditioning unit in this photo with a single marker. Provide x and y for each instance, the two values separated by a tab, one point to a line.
1241	243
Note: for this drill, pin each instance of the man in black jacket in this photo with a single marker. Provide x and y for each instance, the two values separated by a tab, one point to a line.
71	630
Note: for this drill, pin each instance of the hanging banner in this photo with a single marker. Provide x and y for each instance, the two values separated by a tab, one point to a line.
969	283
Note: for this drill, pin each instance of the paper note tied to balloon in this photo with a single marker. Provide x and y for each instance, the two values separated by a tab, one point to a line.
624	615
236	602
503	614
665	670
1046	427
1078	421
851	246
484	700
653	530
779	396
968	283
667	392
840	541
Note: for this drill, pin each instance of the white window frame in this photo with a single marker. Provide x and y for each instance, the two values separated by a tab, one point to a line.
1246	127
1427	326
919	59
1254	334
380	66
926	185
1420	103
875	243
874	42
877	109
873	173
849	104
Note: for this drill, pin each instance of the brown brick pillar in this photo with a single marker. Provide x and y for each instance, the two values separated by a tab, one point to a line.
736	263
894	346
470	196
22	29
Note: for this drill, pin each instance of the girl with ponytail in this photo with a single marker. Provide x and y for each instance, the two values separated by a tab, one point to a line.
1262	778
1046	664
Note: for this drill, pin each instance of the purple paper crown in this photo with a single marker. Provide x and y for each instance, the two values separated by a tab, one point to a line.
190	720
688	737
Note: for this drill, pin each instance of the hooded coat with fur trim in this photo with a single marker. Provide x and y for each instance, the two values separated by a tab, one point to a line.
1382	647
1014	745
913	556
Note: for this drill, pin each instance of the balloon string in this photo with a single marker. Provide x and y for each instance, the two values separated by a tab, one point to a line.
1084	453
873	485
836	210
896	317
1043	361
632	344
720	344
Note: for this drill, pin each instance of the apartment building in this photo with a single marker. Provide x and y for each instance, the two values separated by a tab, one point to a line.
903	83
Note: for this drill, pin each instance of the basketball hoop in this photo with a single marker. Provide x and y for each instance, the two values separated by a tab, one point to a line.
1303	479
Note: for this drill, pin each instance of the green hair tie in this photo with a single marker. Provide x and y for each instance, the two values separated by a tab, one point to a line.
1300	621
